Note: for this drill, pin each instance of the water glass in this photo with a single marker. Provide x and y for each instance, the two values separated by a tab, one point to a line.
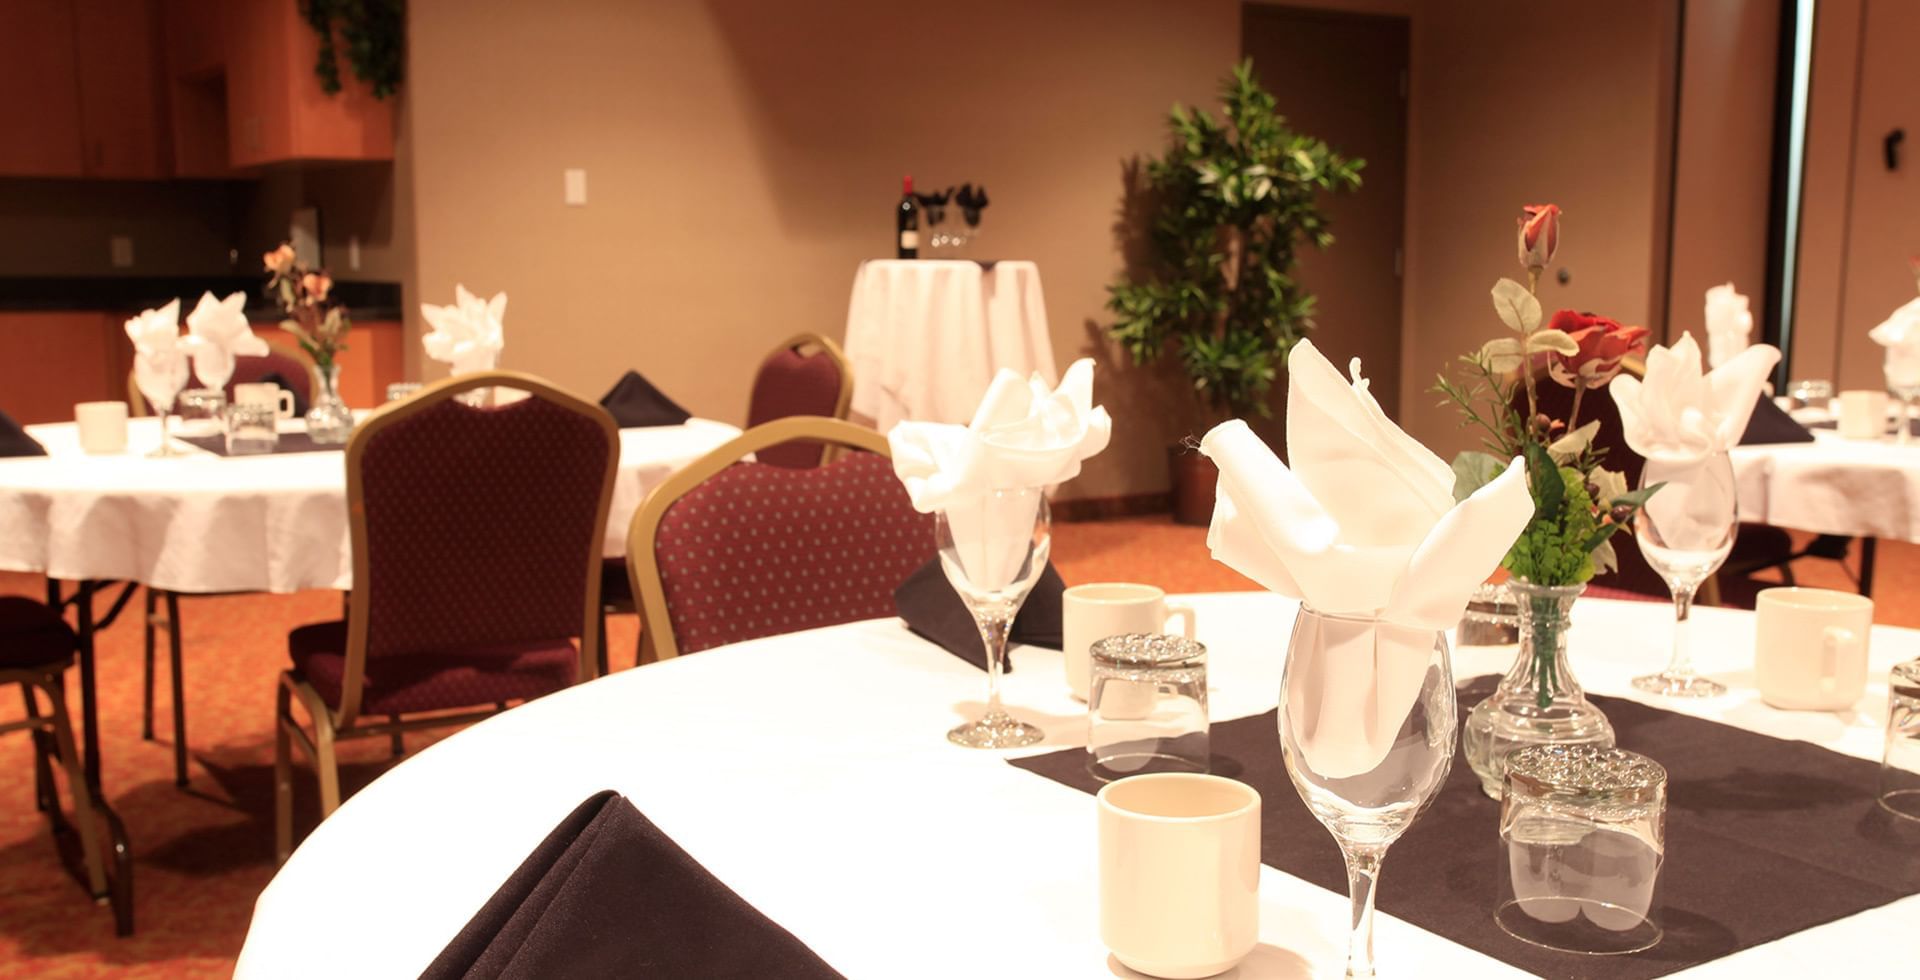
252	428
402	390
1147	707
1582	837
1900	767
201	410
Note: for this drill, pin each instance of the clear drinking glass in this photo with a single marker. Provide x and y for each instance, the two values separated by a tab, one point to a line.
1582	838
402	390
1367	729
201	411
1685	531
993	549
1147	706
252	429
1899	791
1905	391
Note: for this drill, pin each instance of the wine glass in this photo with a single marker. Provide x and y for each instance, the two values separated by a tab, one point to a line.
993	548
1685	531
1367	728
160	375
1905	386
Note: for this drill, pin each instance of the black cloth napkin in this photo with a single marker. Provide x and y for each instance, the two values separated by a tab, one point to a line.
635	403
932	609
608	895
14	440
1770	424
300	405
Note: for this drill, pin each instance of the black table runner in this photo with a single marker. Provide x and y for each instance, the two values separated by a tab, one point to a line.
290	442
1765	837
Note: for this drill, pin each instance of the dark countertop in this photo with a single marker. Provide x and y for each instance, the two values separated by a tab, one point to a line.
130	295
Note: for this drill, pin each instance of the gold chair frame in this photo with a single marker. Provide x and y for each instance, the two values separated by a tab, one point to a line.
335	725
57	725
137	403
657	638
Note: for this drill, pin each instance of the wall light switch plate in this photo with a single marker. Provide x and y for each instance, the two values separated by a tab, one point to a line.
576	181
353	252
120	248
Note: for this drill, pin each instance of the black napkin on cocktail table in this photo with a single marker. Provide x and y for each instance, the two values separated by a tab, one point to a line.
14	440
636	404
932	609
1770	424
607	894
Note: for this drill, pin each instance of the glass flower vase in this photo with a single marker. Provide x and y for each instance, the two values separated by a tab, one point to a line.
1539	702
329	420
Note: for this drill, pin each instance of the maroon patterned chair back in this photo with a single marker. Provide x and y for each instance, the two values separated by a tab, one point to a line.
752	550
477	527
807	375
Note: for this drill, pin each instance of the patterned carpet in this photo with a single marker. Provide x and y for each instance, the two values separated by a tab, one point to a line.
204	853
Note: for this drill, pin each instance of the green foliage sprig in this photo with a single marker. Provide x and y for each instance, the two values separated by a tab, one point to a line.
1231	202
375	34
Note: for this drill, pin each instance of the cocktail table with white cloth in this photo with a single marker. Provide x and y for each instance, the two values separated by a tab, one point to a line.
1855	488
925	337
811	774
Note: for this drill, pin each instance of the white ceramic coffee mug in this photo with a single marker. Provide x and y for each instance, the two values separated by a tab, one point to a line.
103	426
1090	613
265	393
1863	414
1811	648
1179	873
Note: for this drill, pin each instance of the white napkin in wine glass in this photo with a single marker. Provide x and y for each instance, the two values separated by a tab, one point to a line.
1362	524
1900	335
1023	436
1680	414
1729	324
159	360
217	332
469	334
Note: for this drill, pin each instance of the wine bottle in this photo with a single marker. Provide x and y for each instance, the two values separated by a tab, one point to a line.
907	221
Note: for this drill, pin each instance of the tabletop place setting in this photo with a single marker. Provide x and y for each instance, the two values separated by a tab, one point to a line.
1346	564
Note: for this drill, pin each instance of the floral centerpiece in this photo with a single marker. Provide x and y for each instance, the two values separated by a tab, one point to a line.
320	324
1579	504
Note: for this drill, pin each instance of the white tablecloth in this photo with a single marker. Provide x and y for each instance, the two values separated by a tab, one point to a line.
206	523
1832	486
925	338
811	773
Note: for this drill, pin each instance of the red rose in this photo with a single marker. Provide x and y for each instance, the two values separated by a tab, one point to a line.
1539	234
1603	344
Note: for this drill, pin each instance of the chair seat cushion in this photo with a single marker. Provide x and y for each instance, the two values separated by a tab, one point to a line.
32	635
432	681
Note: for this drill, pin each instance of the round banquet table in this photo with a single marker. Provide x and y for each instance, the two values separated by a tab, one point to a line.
202	523
926	336
810	772
1856	488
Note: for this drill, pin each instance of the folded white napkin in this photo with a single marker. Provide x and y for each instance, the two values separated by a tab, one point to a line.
1729	324
1680	414
1362	524
1900	335
1023	436
159	360
467	335
217	331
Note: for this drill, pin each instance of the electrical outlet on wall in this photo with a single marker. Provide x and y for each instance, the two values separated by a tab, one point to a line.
120	251
353	252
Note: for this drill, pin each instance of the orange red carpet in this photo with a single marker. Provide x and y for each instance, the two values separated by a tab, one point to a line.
202	854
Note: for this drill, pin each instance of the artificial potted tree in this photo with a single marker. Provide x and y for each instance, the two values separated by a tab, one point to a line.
1225	210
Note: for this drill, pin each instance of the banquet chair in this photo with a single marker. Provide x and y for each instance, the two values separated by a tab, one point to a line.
291	367
729	550
806	375
477	536
36	648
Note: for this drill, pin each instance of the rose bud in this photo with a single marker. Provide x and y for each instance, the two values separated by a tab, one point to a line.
1539	235
1621	514
316	285
1604	344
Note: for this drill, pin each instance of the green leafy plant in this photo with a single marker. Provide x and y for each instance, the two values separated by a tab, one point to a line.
1230	203
374	31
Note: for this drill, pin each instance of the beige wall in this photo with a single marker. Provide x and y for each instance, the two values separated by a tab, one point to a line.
743	158
1722	180
1518	103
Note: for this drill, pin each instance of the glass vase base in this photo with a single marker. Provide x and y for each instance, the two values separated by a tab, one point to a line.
998	730
1675	685
1510	721
166	451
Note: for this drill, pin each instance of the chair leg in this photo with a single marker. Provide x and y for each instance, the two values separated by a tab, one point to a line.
146	674
600	643
282	774
326	765
396	740
44	797
179	691
83	815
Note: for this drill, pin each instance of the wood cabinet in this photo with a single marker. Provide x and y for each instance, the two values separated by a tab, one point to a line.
39	100
50	361
82	83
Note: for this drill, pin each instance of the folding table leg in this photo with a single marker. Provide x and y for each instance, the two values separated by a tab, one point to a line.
1869	547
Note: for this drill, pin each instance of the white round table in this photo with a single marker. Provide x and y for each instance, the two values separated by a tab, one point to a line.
202	523
810	772
1856	488
926	336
